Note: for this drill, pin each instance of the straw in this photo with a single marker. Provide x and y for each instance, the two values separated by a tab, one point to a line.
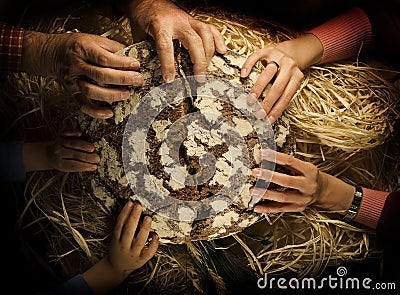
343	115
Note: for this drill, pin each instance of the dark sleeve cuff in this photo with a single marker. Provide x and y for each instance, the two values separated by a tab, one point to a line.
12	161
74	286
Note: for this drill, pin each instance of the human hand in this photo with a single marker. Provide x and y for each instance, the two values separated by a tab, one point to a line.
288	78
85	64
308	186
129	252
164	21
70	154
291	57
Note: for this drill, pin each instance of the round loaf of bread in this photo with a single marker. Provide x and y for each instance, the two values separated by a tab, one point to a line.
185	149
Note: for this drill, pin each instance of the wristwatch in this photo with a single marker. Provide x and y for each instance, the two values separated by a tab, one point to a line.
355	204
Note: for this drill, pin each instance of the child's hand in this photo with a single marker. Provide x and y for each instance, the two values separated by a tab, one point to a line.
70	154
129	252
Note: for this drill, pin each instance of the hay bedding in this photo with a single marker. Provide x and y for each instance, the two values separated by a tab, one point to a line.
303	243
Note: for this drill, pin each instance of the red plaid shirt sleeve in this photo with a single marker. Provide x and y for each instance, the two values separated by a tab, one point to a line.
11	39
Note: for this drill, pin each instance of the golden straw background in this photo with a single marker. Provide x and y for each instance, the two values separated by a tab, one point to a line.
344	116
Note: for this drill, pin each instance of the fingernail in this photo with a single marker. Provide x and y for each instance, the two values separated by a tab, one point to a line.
125	94
107	115
137	80
257	209
135	64
260	114
224	48
243	72
91	149
168	78
256	192
256	172
271	119
200	78
266	153
147	219
138	207
251	98
92	168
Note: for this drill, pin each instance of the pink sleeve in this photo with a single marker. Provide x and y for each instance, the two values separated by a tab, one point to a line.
343	36
371	207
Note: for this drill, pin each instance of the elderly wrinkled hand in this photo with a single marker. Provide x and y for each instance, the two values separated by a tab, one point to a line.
85	64
286	79
164	22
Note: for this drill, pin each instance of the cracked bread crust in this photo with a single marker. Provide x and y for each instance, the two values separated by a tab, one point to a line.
109	182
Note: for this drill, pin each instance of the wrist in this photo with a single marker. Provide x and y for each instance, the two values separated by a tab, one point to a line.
146	16
335	194
117	273
103	277
305	50
36	156
148	8
33	48
136	10
49	154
